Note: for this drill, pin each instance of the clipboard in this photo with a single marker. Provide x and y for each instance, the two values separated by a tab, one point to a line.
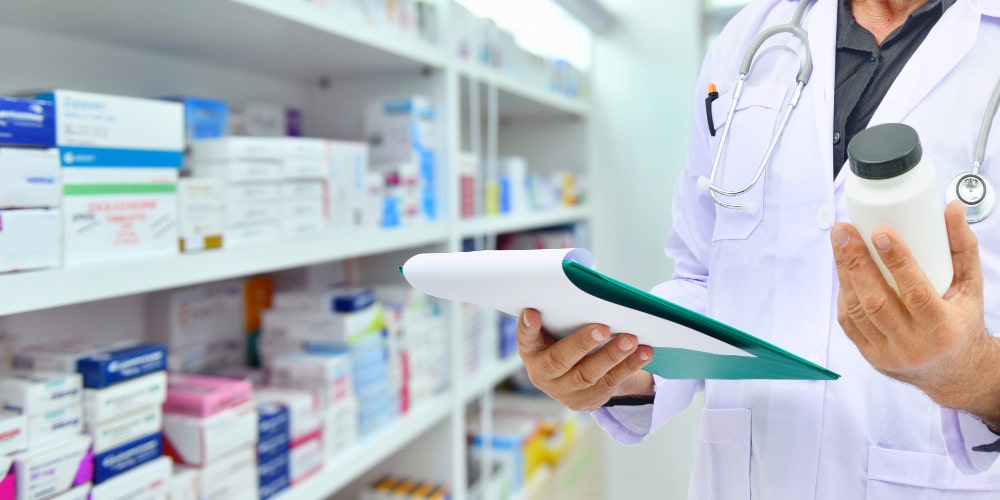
569	292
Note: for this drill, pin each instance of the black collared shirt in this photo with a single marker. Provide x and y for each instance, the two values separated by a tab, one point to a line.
866	70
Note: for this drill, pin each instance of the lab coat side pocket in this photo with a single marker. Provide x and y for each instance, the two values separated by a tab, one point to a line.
924	476
722	461
750	132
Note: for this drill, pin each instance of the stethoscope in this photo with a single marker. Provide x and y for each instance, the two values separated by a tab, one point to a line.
973	189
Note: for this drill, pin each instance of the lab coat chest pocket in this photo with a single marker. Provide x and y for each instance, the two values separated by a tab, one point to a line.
750	131
722	462
924	476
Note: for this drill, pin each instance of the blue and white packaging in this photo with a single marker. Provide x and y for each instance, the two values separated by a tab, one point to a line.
99	130
274	486
61	357
127	457
111	367
336	300
27	122
101	405
272	447
150	481
273	468
204	118
37	393
29	178
54	426
125	429
272	420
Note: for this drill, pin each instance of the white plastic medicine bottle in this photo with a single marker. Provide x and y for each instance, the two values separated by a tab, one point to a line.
892	184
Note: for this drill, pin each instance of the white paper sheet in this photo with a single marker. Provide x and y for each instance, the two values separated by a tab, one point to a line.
514	280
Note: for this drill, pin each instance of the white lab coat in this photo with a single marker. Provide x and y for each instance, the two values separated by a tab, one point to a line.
772	274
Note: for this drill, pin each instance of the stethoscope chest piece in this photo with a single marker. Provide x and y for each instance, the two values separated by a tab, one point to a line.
976	193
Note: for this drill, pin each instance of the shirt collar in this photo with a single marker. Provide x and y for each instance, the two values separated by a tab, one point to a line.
851	35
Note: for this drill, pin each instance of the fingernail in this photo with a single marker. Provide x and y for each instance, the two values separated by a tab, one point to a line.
840	236
597	335
625	344
881	241
643	356
524	320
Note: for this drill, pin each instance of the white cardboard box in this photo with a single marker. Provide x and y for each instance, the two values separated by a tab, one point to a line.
30	178
149	481
81	492
37	393
185	483
61	357
109	121
30	239
56	425
195	315
126	428
101	405
304	408
246	235
237	147
13	433
235	473
239	170
199	441
50	470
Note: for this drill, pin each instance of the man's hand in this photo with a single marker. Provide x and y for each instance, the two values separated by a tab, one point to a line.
938	344
567	371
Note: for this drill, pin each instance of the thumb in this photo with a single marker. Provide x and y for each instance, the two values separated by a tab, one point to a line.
964	248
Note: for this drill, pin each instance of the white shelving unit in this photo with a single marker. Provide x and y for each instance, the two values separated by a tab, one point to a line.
298	54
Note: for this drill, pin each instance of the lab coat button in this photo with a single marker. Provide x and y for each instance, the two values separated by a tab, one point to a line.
824	217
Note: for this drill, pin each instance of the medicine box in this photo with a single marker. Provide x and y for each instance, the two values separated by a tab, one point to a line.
13	434
232	476
238	148
257	233
61	356
126	457
110	367
243	193
274	486
306	457
304	227
150	481
126	428
101	405
30	239
48	471
305	168
8	478
273	467
200	441
211	355
304	409
116	214
202	396
185	484
252	212
195	315
336	300
238	170
340	328
27	122
259	119
36	393
273	420
204	118
29	178
95	128
81	492
56	425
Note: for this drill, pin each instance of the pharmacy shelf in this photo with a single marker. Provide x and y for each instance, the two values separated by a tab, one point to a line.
371	451
490	376
498	224
31	291
289	38
518	99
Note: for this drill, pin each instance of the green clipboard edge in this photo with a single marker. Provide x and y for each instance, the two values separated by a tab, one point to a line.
771	362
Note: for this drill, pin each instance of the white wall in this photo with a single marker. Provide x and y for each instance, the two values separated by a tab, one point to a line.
643	84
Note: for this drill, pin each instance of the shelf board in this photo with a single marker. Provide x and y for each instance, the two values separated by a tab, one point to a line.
371	451
490	376
289	38
497	224
518	99
30	291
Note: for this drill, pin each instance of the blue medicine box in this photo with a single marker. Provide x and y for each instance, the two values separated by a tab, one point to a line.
111	367
272	486
204	118
273	420
27	122
127	457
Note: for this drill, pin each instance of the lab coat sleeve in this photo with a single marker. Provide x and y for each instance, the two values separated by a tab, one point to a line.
962	432
689	244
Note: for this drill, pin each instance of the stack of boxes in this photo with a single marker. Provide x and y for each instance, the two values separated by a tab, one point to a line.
356	195
376	388
305	429
305	197
120	159
202	326
420	327
30	187
124	389
210	424
41	425
273	447
401	134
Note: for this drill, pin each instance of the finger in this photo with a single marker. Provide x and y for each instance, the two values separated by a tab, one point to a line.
594	367
632	364
847	324
867	298
564	354
916	292
530	339
964	248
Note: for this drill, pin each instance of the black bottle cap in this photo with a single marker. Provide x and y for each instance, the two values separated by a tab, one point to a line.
884	151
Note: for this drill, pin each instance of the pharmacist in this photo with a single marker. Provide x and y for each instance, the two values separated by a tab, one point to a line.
913	415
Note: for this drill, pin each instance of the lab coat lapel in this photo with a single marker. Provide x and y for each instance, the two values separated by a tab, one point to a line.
945	46
821	24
